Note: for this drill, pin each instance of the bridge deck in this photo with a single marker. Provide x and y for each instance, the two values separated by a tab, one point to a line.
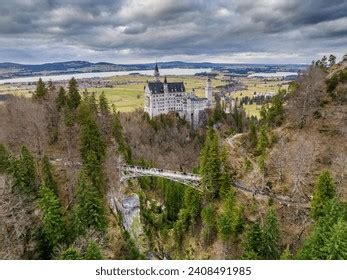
193	180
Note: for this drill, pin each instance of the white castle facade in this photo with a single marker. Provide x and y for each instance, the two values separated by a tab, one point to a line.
164	97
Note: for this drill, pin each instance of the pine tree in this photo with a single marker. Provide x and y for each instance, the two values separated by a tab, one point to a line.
253	134
332	60
47	175
89	208
253	242
52	216
23	172
118	134
224	226
335	247
41	89
208	217
210	164
93	147
70	254
230	223
4	159
103	104
324	191
263	141
192	206
271	241
74	97
174	193
286	255
90	101
61	99
93	252
329	231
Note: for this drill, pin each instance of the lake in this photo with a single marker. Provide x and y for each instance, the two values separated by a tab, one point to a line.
276	74
171	71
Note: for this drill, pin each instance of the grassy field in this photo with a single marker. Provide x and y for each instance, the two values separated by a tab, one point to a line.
127	94
259	86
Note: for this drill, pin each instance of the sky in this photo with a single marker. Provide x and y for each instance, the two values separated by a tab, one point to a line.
140	31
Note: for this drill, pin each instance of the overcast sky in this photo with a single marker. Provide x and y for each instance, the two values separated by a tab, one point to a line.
131	31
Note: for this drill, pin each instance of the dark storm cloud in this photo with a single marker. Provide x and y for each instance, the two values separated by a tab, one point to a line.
137	29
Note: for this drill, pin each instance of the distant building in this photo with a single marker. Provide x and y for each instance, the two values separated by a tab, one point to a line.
165	97
227	104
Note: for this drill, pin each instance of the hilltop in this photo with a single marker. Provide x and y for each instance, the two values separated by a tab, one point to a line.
12	70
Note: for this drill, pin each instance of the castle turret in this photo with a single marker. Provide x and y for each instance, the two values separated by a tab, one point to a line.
208	90
156	73
166	86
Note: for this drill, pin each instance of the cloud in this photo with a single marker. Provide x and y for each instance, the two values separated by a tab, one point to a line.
135	30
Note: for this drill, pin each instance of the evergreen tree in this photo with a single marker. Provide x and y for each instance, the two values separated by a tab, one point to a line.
210	164
74	97
4	159
273	115
47	175
224	226
93	147
208	216
61	99
192	206
230	223
52	216
173	196
336	243
324	191
41	89
93	252
89	208
286	255
103	104
23	172
253	242
329	231
332	60
50	86
271	241
253	139
90	101
71	254
263	141
118	134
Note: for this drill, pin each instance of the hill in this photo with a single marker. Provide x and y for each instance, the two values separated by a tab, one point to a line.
274	187
12	70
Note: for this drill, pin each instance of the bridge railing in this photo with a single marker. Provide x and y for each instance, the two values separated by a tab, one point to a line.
163	172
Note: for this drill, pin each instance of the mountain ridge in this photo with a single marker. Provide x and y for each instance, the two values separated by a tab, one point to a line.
13	70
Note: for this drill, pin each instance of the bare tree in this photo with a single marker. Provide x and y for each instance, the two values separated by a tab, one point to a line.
24	122
17	218
300	156
306	99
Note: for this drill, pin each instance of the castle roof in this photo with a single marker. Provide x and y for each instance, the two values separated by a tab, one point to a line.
158	87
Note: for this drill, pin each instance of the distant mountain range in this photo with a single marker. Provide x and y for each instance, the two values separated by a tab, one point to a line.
13	70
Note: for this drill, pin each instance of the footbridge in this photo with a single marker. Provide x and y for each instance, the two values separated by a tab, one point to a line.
193	180
188	179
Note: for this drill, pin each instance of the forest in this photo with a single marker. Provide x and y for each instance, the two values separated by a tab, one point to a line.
59	152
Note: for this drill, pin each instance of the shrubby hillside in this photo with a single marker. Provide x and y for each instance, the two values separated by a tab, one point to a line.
273	188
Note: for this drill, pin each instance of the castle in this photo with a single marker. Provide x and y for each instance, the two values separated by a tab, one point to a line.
165	97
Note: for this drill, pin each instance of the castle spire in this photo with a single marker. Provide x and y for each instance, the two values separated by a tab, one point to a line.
156	72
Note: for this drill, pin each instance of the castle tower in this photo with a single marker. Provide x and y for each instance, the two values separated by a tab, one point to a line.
208	90
156	73
166	86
